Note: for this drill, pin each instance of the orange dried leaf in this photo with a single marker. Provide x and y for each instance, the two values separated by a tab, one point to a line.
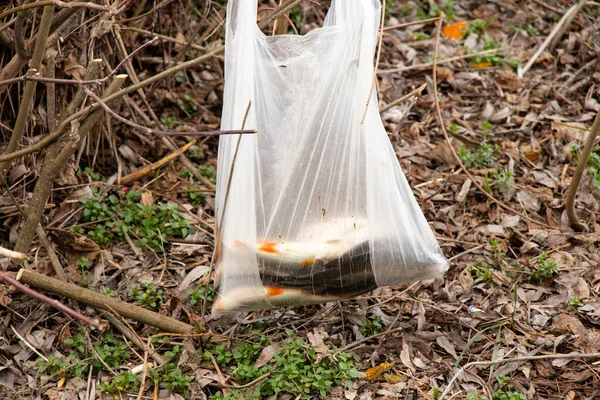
483	64
455	31
375	372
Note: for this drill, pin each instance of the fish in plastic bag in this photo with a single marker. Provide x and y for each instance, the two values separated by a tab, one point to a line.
315	207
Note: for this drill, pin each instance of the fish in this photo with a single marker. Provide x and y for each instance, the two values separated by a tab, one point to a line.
350	274
286	258
267	297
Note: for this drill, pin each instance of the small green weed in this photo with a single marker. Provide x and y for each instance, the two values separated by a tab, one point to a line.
503	180
482	157
197	296
208	171
168	122
502	390
147	294
429	9
150	225
51	366
574	302
481	271
294	370
195	194
176	381
372	325
113	352
544	267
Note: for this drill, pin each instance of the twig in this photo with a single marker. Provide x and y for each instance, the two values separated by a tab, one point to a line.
219	221
54	303
29	90
549	38
415	92
424	21
50	171
566	24
101	301
581	166
282	9
15	255
379	46
57	3
447	138
33	74
514	359
28	344
137	174
444	61
131	336
166	133
280	26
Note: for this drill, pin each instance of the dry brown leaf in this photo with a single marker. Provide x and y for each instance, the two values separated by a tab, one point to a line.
266	355
147	198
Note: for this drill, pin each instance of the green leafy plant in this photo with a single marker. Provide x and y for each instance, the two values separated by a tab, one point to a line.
481	157
294	369
502	390
112	351
176	381
197	296
481	271
503	180
208	171
147	294
52	365
150	225
574	302
372	325
544	267
194	193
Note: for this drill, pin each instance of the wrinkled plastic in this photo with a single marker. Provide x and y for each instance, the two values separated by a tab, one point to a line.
318	208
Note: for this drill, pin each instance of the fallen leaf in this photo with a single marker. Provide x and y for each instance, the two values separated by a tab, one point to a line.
266	355
455	31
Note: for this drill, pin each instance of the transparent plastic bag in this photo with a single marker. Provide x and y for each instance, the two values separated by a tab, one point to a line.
318	208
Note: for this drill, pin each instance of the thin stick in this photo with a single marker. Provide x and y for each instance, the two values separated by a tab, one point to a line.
167	133
548	39
33	74
27	343
447	138
515	359
444	61
101	301
139	173
57	3
15	255
29	90
415	92
54	303
581	166
219	223
376	63
425	21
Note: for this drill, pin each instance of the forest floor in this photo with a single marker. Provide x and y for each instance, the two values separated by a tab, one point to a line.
522	284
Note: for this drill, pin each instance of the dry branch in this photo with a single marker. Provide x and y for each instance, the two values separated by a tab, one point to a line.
54	303
29	90
103	302
50	172
137	174
581	165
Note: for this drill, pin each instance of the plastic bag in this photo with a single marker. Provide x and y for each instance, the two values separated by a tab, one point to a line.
318	208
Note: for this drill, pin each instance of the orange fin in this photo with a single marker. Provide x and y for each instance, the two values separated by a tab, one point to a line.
307	262
274	291
268	247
